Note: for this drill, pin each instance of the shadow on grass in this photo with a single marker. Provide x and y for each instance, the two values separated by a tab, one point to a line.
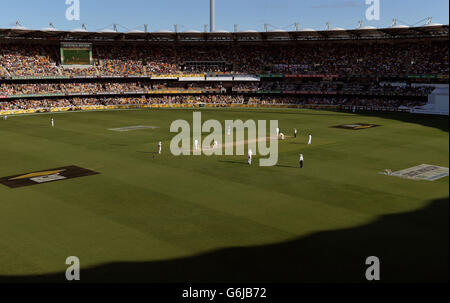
412	247
146	152
117	144
439	122
234	162
287	166
284	111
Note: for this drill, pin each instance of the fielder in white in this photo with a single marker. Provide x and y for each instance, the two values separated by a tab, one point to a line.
250	154
53	123
278	131
195	144
215	144
309	140
159	147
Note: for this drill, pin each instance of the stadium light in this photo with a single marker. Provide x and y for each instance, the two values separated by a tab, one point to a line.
212	15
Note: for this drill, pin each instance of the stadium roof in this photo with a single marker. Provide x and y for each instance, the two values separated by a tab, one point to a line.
430	30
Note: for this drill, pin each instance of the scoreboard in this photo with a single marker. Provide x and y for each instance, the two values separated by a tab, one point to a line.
76	54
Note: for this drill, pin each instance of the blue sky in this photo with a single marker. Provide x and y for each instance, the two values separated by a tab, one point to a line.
193	14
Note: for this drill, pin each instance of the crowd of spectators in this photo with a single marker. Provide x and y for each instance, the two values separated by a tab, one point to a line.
392	102
23	104
389	102
86	71
327	58
35	104
120	61
371	88
22	61
310	58
11	89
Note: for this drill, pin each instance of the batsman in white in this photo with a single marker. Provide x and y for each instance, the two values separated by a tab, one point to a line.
250	154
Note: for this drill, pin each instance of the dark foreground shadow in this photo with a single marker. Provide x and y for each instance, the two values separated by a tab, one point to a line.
412	247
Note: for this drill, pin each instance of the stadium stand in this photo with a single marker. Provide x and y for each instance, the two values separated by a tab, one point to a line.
377	59
388	68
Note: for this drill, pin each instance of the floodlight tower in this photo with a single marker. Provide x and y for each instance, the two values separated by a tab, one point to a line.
212	15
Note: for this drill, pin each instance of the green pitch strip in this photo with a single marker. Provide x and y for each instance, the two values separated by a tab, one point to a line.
149	217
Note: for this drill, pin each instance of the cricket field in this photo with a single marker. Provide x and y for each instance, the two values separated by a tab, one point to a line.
131	215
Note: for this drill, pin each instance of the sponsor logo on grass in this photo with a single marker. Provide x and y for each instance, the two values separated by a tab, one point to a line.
46	176
130	128
190	143
421	172
356	126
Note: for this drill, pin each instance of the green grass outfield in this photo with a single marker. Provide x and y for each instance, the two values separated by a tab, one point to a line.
163	218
